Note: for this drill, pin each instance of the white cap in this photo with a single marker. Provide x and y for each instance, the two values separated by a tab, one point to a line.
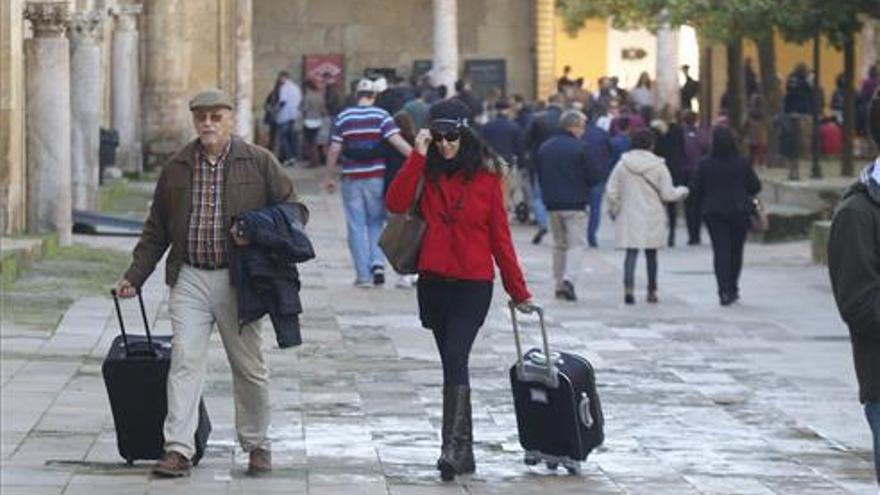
367	86
380	85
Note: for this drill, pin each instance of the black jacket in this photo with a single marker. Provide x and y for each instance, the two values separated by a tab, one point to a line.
724	186
854	266
506	138
566	172
268	281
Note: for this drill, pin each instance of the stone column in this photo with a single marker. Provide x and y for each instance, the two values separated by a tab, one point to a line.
545	47
244	69
667	68
85	100
445	64
47	90
125	87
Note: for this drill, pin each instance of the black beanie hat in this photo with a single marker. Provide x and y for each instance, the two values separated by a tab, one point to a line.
874	117
448	113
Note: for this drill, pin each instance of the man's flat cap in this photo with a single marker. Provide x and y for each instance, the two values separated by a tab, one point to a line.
211	98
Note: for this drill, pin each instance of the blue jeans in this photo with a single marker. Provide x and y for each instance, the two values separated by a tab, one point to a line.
288	141
872	412
596	193
364	217
540	211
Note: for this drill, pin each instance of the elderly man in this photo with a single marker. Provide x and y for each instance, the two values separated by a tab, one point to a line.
200	190
566	174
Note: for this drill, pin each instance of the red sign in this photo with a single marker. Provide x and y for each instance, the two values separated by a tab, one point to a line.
327	68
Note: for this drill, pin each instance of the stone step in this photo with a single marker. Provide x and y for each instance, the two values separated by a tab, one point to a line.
788	222
821	195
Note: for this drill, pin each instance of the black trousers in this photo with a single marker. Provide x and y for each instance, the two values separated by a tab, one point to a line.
692	215
454	310
672	216
629	269
728	234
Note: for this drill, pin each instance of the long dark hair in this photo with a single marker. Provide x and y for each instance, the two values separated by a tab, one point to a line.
470	158
724	144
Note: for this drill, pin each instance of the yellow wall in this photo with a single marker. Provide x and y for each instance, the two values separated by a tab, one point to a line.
586	52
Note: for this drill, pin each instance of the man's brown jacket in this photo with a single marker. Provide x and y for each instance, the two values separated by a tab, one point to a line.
252	179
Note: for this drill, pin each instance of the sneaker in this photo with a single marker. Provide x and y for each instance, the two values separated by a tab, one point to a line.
566	291
539	236
378	275
652	298
629	298
172	465
405	282
260	462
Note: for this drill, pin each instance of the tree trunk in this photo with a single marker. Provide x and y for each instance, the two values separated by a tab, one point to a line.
706	97
849	69
770	85
816	169
736	86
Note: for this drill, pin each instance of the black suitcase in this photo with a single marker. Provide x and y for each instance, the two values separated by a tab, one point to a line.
558	413
135	372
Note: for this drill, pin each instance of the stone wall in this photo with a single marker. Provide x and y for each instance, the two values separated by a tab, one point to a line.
12	149
387	33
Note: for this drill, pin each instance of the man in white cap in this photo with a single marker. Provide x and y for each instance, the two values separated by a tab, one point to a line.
357	136
207	183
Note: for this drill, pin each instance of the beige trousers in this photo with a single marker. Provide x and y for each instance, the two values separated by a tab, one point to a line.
199	299
569	229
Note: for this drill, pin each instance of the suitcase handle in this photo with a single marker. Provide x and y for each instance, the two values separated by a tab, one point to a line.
122	322
548	377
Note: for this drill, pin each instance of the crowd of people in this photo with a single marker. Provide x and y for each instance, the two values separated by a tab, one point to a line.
462	162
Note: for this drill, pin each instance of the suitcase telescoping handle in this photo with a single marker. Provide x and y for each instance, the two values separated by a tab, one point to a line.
543	367
122	322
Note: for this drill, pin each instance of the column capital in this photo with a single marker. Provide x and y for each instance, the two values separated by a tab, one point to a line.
48	19
86	25
126	16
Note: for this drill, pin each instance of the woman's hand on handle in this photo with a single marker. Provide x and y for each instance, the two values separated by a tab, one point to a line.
527	306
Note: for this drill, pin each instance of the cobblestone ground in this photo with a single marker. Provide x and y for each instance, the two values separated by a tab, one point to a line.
758	398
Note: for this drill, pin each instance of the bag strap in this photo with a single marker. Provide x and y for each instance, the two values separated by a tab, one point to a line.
420	187
653	186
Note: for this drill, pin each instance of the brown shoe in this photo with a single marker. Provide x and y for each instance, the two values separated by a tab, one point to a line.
172	465
260	461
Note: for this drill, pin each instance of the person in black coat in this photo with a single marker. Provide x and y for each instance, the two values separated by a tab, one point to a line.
723	188
670	147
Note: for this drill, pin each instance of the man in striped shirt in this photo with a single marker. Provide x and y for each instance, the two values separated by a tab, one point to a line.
357	136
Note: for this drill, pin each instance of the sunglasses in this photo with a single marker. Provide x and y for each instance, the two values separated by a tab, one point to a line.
449	136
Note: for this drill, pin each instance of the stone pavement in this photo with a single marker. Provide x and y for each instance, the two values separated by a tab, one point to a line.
758	398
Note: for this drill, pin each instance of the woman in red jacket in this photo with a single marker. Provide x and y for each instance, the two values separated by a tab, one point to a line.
466	229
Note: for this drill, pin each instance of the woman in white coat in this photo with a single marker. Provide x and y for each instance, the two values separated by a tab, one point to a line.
636	194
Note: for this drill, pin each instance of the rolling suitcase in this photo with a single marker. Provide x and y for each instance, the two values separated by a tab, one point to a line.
558	413
135	372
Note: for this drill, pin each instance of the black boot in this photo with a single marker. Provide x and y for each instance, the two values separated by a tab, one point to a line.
448	413
458	457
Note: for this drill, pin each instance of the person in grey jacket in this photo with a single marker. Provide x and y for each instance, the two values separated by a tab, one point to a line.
854	266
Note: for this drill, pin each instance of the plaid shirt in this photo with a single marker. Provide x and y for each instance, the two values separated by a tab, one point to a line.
206	244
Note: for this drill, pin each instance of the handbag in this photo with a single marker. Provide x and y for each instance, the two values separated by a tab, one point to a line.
401	240
758	220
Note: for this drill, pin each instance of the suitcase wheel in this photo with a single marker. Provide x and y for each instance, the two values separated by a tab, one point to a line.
522	212
530	460
129	462
574	470
552	465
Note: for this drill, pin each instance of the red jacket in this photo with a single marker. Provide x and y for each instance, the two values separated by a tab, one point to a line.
466	225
